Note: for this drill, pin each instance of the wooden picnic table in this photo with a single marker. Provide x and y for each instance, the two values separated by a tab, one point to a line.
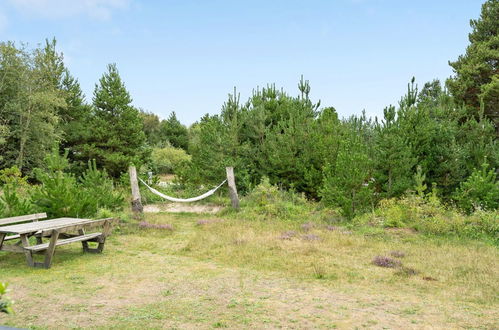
58	232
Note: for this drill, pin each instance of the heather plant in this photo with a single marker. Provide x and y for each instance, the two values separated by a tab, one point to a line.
147	225
387	262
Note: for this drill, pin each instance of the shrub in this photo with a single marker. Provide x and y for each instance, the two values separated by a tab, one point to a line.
12	175
62	194
426	215
99	190
479	191
267	201
168	159
15	201
14	193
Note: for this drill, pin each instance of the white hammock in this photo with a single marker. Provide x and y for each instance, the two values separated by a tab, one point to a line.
181	200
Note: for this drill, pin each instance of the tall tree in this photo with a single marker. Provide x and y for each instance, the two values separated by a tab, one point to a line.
476	79
74	122
347	181
394	161
173	131
117	134
29	102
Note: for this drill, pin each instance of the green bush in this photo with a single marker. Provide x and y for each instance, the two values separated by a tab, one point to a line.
15	201
14	193
479	191
12	175
168	159
61	194
429	216
99	190
267	201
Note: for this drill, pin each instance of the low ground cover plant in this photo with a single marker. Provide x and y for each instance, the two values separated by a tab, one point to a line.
5	304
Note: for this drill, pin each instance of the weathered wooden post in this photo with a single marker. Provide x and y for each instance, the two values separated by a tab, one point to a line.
136	203
232	187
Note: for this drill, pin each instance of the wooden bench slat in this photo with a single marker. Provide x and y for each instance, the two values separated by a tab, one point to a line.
11	237
81	238
22	218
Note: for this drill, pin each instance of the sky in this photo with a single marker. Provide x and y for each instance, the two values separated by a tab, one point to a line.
187	56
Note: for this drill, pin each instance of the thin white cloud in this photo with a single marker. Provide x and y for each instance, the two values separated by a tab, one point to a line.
98	9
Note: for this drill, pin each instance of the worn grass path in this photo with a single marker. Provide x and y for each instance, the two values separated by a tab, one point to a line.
229	273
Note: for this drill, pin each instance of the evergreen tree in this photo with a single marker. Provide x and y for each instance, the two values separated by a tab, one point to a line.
173	131
347	181
75	122
117	137
476	79
480	190
394	160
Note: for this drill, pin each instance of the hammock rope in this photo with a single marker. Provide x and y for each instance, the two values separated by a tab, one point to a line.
183	200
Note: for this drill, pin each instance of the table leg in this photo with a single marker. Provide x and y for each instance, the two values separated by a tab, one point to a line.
105	233
84	244
27	253
2	237
101	240
49	253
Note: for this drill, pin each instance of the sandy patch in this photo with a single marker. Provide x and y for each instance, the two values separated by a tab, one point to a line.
181	207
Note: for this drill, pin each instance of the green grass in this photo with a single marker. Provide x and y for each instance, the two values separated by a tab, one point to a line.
233	272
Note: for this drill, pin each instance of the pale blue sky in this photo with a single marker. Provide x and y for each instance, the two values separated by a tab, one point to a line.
186	56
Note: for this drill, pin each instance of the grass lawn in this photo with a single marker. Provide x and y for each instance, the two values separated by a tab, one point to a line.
223	272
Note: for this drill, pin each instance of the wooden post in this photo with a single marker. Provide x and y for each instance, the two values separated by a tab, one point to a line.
136	203
232	187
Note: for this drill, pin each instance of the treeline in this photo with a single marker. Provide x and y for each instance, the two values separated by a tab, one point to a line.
438	139
349	163
42	105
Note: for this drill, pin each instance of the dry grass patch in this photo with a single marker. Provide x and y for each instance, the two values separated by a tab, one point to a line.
241	274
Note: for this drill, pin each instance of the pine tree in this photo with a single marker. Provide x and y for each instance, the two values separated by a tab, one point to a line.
347	182
117	137
476	79
394	160
171	130
74	122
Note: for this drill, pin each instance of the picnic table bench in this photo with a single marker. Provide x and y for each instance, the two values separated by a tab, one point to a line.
58	232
